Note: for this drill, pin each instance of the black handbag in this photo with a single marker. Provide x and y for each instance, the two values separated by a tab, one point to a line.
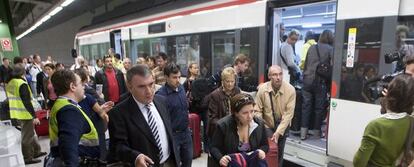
292	70
324	69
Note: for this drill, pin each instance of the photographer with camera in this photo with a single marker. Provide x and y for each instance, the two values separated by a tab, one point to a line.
408	69
403	49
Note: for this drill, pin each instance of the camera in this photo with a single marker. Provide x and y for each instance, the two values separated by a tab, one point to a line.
373	87
391	57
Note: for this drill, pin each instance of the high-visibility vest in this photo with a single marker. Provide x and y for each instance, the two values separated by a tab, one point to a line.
88	139
17	109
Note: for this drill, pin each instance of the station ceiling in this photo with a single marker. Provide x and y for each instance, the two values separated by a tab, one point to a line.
26	12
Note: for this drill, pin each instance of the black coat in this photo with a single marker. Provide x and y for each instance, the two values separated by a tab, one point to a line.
5	74
100	78
226	140
130	134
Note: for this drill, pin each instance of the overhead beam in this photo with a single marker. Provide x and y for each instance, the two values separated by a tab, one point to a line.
36	2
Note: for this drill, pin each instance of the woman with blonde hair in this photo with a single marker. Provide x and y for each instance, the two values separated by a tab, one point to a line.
219	103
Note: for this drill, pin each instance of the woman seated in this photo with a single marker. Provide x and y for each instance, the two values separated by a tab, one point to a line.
385	137
239	132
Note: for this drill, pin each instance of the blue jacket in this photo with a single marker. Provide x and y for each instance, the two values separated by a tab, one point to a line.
177	106
71	127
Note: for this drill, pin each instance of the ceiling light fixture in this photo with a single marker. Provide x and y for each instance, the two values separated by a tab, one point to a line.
312	25
46	17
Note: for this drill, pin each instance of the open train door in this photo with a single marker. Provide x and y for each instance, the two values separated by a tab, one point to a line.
303	16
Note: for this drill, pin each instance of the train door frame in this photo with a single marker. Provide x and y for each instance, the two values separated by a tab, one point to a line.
300	154
113	35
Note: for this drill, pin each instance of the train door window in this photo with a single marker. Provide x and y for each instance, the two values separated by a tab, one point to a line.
118	42
126	50
223	49
134	50
158	45
356	71
249	41
187	51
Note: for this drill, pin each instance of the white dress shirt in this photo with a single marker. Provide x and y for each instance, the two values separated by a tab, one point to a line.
162	131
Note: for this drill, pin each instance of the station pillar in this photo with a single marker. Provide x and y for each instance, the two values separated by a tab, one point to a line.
8	43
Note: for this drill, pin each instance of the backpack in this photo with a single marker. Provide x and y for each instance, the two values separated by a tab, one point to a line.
323	69
200	89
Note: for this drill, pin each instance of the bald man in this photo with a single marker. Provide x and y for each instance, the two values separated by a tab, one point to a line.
275	103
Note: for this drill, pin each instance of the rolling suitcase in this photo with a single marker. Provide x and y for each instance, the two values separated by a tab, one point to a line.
43	128
272	155
195	131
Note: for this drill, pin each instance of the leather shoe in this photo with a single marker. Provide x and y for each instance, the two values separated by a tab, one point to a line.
40	154
32	161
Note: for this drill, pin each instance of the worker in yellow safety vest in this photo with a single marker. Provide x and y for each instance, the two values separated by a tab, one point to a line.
21	108
73	136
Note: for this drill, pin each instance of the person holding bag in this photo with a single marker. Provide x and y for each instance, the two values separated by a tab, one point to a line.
275	104
240	132
389	137
316	78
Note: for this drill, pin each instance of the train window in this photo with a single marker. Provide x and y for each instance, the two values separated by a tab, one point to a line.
85	50
94	52
158	45
366	58
103	50
187	51
223	49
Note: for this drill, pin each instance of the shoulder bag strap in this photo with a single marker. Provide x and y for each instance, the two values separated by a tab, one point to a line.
317	51
273	110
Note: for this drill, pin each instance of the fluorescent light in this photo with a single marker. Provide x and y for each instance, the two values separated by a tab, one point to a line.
37	24
56	10
1	21
312	25
44	19
292	17
66	3
321	14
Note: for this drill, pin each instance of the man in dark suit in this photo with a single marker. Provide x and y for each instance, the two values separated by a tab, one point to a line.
140	127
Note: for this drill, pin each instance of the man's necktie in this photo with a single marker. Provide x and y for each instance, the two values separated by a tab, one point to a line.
154	129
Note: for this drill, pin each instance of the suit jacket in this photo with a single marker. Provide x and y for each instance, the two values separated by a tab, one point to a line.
130	134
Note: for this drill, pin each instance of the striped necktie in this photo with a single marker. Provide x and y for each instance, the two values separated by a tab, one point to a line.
154	129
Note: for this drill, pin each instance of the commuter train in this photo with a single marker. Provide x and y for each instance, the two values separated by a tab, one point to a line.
212	33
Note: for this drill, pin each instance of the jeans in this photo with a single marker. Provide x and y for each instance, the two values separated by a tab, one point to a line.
185	147
314	100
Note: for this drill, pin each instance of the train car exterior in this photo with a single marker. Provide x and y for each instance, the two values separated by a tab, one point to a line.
212	33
